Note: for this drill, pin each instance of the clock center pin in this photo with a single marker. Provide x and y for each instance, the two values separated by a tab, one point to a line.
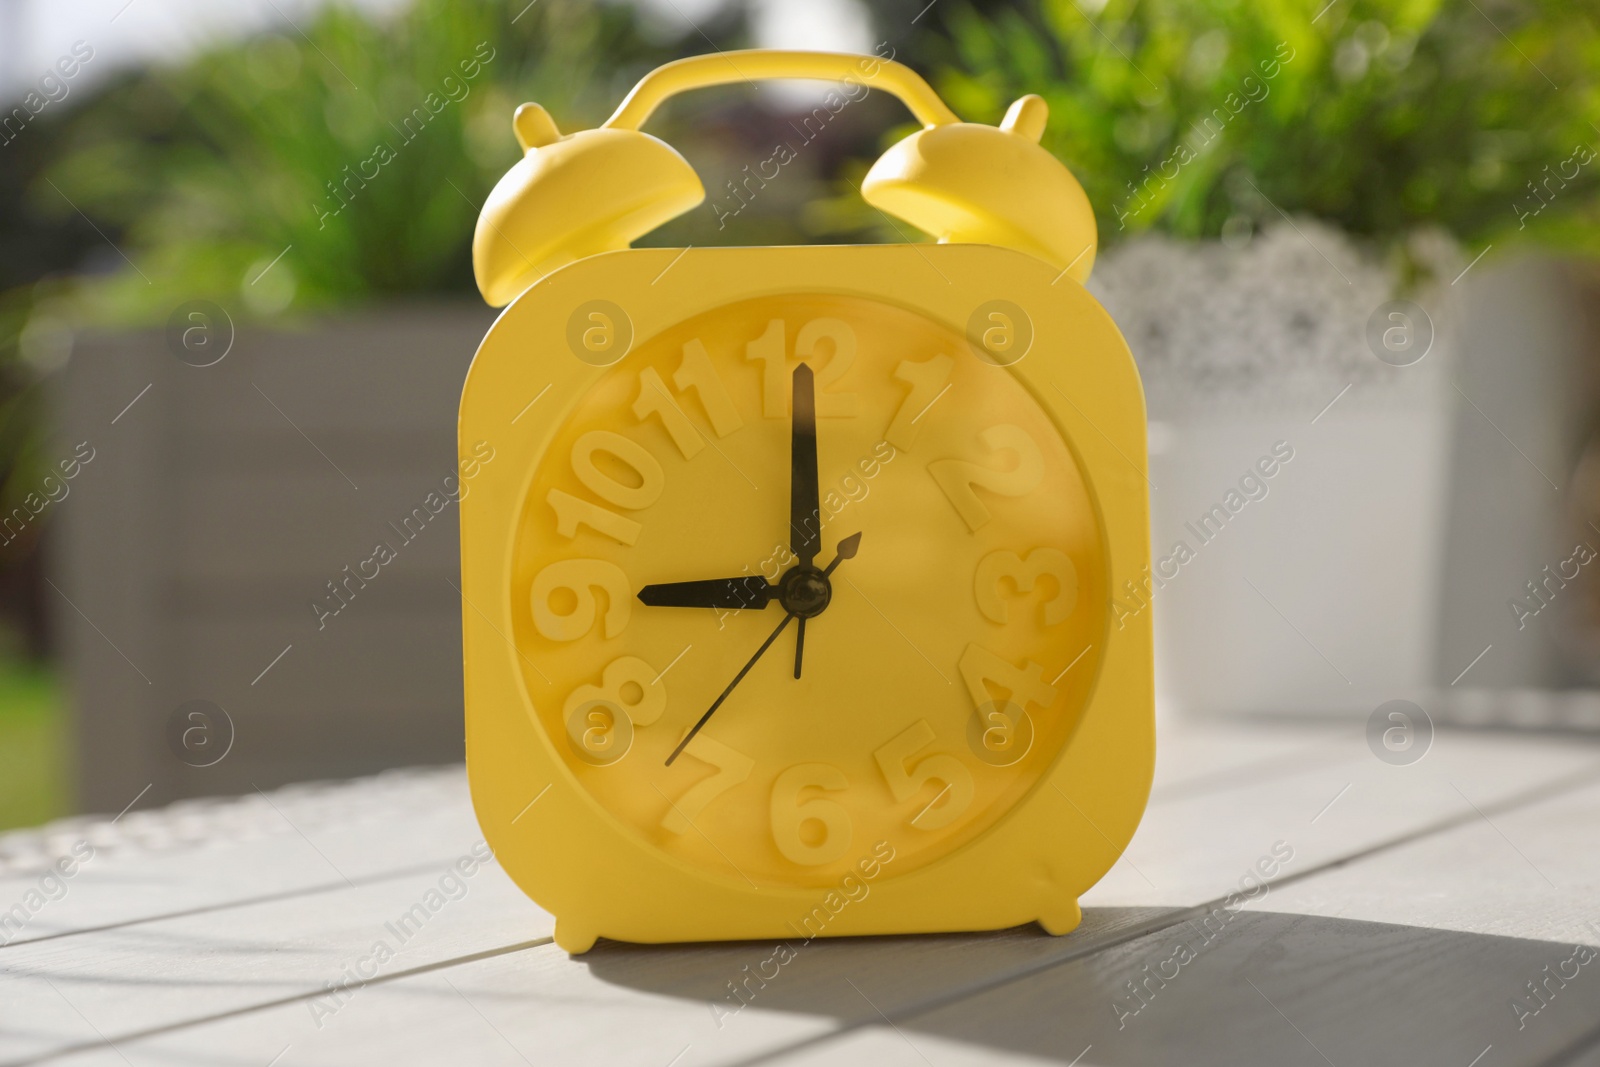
804	592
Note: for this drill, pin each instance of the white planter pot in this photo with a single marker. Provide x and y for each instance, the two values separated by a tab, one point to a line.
1298	481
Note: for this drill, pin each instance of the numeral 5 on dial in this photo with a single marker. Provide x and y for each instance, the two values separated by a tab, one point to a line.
955	794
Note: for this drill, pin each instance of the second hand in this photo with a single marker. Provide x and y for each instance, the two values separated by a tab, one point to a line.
787	619
847	549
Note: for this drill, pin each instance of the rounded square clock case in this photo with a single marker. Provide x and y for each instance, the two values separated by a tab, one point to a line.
977	419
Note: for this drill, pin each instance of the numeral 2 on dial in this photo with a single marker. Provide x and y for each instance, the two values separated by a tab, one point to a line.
957	477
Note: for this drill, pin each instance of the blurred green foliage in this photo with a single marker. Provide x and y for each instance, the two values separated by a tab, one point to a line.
363	146
33	751
1193	117
1196	117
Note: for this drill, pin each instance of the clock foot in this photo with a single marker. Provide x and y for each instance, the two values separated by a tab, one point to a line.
575	939
1062	918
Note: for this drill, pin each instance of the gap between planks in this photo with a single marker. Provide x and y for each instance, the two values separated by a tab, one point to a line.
1070	953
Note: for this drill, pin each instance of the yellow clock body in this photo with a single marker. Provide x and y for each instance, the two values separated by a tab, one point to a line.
970	742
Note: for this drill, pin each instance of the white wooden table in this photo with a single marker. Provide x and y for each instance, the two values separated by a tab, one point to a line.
1419	903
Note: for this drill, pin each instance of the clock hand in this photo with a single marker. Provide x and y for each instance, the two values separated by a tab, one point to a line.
724	696
799	648
805	506
745	591
847	549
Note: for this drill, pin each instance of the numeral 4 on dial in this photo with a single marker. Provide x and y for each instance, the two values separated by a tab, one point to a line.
1022	685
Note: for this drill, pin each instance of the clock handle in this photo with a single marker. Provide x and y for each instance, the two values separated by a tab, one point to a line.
762	64
593	191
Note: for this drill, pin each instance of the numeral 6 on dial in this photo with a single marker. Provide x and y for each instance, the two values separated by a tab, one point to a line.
790	815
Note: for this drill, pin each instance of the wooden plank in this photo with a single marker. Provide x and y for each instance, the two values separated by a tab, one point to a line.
165	971
647	1004
619	1003
1531	873
1196	755
213	853
1483	937
161	845
1184	851
107	999
1268	988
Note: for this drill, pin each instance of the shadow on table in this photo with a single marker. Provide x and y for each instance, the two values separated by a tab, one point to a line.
1260	988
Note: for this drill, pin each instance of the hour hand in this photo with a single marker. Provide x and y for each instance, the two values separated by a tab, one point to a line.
745	591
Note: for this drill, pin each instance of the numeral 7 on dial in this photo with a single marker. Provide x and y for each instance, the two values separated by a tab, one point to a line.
732	768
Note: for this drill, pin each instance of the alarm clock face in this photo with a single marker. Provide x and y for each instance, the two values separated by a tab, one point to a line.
953	652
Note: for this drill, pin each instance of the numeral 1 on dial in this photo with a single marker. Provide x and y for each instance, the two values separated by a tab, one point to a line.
653	399
697	373
771	351
572	512
928	379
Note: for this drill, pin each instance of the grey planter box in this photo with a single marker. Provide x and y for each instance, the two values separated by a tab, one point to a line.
216	510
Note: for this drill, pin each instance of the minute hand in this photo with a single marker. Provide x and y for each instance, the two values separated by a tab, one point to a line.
805	506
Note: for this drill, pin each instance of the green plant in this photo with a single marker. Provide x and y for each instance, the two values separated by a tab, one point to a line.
1378	116
358	149
33	749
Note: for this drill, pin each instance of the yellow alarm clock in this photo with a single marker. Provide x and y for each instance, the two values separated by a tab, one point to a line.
786	598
